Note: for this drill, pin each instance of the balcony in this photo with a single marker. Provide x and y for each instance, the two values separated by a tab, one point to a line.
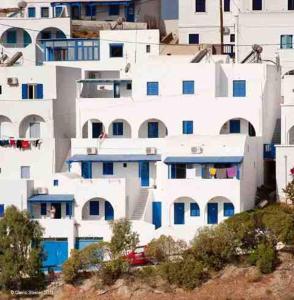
228	49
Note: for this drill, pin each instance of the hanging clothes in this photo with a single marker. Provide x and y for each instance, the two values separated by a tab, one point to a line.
12	142
25	145
221	173
212	171
18	144
232	172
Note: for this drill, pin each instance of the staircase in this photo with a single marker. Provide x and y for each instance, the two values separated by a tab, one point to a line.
276	139
138	212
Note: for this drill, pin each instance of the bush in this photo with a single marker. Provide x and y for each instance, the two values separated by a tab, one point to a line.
112	270
264	257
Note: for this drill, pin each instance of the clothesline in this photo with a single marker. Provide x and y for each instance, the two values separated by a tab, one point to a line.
21	144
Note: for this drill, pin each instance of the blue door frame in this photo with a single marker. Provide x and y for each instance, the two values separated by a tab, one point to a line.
108	210
156	214
179	213
212	213
144	173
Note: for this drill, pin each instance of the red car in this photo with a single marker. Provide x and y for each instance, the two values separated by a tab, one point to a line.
138	257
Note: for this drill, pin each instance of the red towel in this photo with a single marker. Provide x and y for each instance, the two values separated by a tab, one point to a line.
25	145
12	142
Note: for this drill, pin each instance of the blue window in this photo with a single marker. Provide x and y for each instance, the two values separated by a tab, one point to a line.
117	128
187	127
229	210
86	169
11	36
200	5
194	38
290	4
32	91
1	210
227	5
32	12
239	88
90	10
256	4
94	208
113	10
46	35
152	88
116	50
55	182
108	168
58	11
44	12
286	41
188	87
153	130
235	126
39	91
43	209
68	208
194	210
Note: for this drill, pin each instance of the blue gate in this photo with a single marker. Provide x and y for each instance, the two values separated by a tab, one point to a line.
156	214
179	213
212	213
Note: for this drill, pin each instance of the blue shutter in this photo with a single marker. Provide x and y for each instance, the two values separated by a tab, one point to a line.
68	208
152	88
156	214
32	12
39	91
239	88
153	130
86	167
144	173
1	210
194	210
235	126
188	87
229	210
108	168
94	208
24	91
173	171
43	209
187	127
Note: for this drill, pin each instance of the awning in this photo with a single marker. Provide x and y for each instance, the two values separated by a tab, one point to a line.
203	159
52	198
98	2
103	80
114	158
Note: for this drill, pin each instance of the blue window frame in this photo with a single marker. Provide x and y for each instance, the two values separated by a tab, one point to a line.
94	208
187	127
256	4
194	38
118	128
44	12
227	5
153	131
286	41
68	208
229	210
11	36
1	210
194	210
113	10
235	126
200	5
152	88
239	88
32	12
55	182
188	87
108	168
43	209
116	50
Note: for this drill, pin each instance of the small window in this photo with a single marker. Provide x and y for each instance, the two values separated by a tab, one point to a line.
44	12
118	128
148	48
232	38
108	168
32	91
229	210
239	88
0	89
194	210
94	208
116	50
290	4
114	10
152	88
194	38
188	87
1	210
200	6
286	41
256	4
125	165
43	209
187	127
129	86
227	5
32	12
55	182
25	172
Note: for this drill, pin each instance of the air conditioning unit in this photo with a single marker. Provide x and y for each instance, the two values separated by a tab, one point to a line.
151	151
92	151
226	30
196	150
42	191
13	81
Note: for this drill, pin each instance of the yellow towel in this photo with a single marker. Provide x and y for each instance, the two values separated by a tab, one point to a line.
212	171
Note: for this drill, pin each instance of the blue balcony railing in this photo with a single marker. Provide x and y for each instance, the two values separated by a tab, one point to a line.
269	151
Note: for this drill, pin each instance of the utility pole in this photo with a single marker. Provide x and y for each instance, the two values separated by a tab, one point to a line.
221	25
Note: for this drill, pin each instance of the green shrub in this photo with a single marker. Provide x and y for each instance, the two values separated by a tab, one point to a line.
264	257
112	270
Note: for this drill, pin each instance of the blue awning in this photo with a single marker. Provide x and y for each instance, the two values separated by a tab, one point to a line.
52	198
203	159
79	3
114	158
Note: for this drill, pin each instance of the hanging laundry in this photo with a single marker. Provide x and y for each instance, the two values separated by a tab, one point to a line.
212	171
12	142
232	172
25	145
4	143
221	173
18	144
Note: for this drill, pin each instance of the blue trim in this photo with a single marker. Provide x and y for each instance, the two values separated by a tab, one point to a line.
86	169
24	91
52	198
203	159
39	91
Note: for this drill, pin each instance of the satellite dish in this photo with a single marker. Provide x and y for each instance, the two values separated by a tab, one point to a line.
127	67
22	4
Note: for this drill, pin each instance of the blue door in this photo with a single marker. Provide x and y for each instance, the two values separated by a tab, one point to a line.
55	252
86	169
152	129
82	243
156	214
144	173
212	213
109	213
130	13
235	126
97	129
179	213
